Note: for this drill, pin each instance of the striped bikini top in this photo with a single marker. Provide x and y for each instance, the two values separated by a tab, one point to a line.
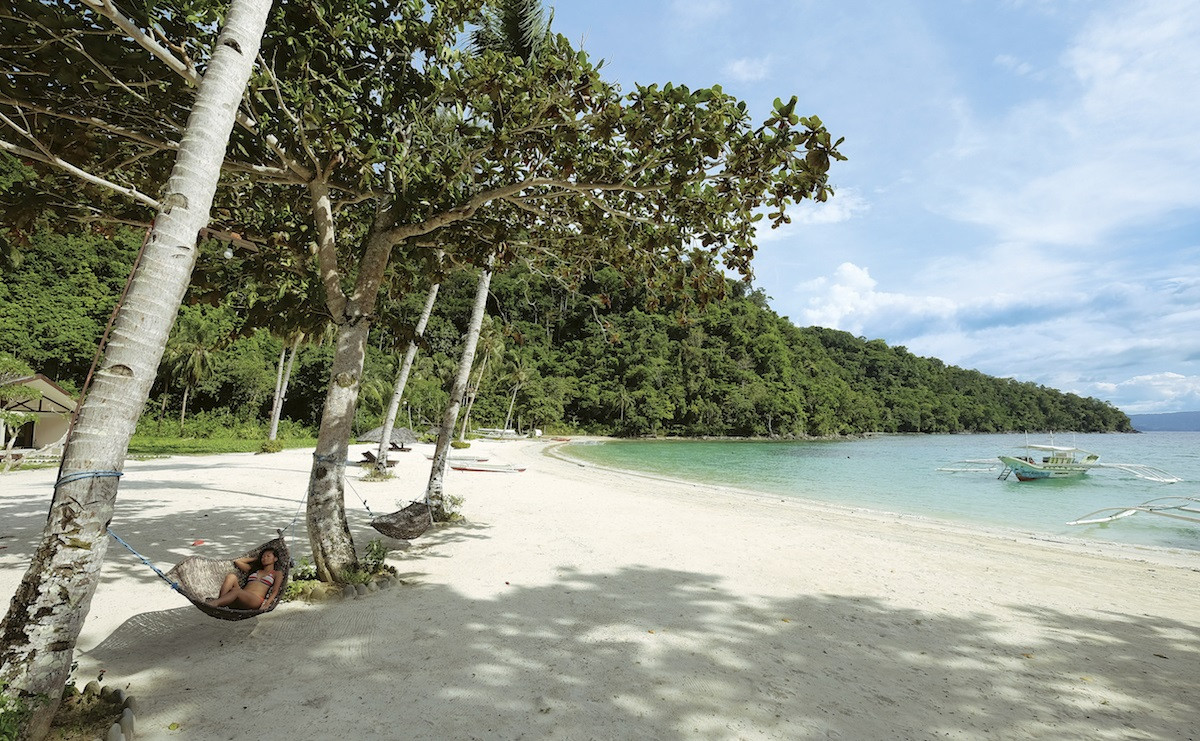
268	580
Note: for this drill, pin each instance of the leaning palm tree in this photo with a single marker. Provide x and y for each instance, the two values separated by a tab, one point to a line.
410	354
518	376
518	28
492	344
45	617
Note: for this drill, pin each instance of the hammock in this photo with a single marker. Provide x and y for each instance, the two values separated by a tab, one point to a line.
199	578
407	523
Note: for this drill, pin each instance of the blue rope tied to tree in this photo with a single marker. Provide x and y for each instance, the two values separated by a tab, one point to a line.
296	516
167	579
337	460
366	506
85	475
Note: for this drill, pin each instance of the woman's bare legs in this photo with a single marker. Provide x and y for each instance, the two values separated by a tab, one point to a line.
238	597
231	583
232	592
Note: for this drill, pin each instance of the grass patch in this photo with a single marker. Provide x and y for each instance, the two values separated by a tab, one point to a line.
143	445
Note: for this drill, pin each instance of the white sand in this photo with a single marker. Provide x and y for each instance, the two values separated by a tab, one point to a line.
576	603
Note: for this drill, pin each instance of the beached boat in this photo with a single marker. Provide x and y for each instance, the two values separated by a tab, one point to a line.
1038	461
460	458
1179	508
489	467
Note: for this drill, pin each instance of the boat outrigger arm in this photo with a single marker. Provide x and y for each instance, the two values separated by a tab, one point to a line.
1180	508
1150	473
973	465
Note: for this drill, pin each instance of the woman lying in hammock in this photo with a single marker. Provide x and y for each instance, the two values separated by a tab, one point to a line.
261	586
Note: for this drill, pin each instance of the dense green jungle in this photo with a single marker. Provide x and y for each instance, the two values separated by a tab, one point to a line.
594	359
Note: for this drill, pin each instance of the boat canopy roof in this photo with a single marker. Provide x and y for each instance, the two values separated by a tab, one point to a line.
1056	448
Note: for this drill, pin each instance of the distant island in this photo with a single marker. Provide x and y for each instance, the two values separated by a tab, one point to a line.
1167	422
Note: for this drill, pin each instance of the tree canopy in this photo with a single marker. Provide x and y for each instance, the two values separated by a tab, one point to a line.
595	360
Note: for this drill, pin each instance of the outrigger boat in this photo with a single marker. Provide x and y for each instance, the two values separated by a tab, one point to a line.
1179	508
1059	462
1055	462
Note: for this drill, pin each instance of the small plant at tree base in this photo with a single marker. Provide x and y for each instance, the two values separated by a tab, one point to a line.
374	557
376	475
459	444
297	588
354	576
305	570
13	712
452	504
271	446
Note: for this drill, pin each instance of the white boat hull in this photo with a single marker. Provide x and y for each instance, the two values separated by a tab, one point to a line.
1026	470
486	467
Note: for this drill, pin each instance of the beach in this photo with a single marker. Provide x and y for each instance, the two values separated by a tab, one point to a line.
574	602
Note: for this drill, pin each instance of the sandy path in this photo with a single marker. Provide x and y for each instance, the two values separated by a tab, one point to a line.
578	603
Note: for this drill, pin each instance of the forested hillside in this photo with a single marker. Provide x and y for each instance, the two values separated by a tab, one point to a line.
593	359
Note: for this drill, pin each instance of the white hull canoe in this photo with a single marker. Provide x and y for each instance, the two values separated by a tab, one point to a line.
488	467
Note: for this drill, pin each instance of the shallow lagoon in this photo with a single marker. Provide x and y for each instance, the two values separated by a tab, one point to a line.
898	473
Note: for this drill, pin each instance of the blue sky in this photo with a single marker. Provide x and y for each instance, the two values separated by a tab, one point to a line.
1023	190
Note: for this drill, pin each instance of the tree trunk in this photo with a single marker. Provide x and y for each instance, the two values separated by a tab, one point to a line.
38	634
281	385
473	392
162	412
183	408
437	473
328	530
410	355
275	399
511	403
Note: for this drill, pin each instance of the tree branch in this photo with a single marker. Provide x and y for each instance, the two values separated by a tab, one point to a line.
59	162
93	121
335	297
188	72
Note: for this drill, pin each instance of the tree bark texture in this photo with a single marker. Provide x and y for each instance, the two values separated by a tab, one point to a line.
435	490
328	530
39	632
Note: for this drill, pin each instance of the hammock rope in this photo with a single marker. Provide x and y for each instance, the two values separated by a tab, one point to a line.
174	584
405	524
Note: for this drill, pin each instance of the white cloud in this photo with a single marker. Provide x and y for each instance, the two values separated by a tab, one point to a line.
843	206
1116	150
1158	392
747	69
1011	63
848	300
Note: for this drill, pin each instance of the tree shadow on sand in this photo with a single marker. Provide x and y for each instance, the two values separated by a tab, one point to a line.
636	652
660	653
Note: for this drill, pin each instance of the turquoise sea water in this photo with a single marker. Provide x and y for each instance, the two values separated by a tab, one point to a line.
899	474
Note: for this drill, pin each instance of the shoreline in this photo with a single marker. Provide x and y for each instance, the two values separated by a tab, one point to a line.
1132	551
579	602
